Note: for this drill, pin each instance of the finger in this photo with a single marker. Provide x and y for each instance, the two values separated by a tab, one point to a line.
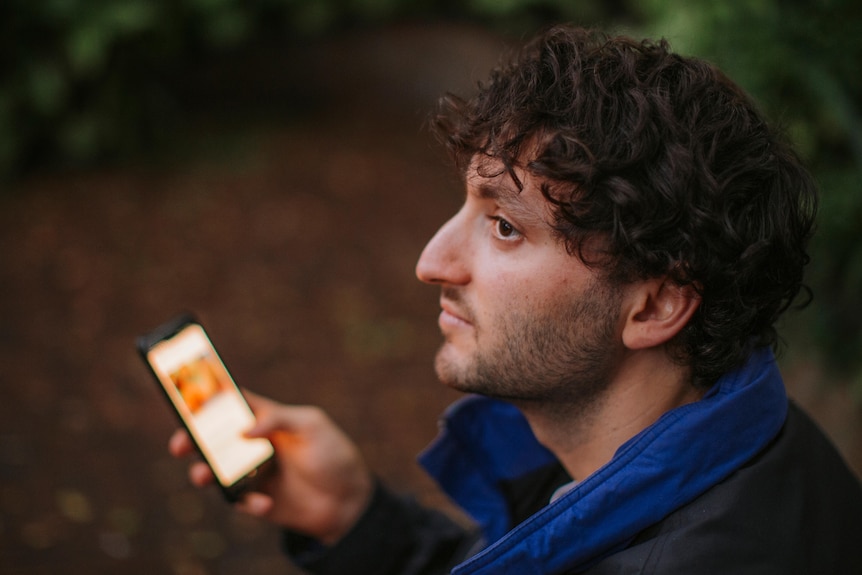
200	474
255	504
180	445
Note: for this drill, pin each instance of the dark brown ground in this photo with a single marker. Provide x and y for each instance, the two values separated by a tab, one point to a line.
294	240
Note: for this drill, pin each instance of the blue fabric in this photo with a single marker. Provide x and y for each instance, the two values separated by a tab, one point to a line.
687	451
481	442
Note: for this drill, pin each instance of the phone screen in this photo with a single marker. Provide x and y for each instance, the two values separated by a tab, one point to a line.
209	402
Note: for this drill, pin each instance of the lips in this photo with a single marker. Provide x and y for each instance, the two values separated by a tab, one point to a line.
451	317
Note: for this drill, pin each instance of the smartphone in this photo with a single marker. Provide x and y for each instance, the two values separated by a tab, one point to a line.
208	402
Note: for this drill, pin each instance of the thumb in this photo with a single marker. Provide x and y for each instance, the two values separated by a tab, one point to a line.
270	417
265	425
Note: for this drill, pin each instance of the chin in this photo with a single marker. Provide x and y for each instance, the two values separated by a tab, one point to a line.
451	372
462	378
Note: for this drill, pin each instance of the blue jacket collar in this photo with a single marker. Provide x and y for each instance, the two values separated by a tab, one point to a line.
683	454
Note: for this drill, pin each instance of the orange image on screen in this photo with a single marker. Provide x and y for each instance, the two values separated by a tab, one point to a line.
197	382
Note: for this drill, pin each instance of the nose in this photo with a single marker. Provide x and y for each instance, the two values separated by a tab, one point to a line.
445	259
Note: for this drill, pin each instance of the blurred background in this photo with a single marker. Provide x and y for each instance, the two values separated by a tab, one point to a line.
264	163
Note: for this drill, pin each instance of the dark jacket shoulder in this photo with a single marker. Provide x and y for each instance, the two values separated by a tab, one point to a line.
795	508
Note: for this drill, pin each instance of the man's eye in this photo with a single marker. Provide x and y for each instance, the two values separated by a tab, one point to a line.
504	229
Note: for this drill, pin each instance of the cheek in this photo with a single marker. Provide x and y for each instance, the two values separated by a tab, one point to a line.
529	286
509	295
538	294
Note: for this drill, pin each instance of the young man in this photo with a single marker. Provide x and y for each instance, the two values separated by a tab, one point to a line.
631	232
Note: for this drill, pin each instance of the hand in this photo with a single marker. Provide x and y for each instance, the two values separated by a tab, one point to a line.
320	485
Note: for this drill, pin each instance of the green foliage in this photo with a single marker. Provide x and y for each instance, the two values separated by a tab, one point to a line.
88	80
85	80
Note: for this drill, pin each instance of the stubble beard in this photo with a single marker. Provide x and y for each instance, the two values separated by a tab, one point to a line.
559	361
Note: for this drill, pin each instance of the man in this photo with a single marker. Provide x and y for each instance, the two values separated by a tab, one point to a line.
631	232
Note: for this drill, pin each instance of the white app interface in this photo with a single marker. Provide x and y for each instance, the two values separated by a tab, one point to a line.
209	402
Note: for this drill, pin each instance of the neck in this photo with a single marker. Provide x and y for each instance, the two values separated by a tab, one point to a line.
585	437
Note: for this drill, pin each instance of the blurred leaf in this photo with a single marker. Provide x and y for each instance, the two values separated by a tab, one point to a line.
375	9
838	105
91	42
87	49
497	7
803	136
314	17
130	16
210	6
60	9
46	87
227	27
841	202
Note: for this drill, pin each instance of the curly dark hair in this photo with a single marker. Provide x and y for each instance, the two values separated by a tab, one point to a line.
668	162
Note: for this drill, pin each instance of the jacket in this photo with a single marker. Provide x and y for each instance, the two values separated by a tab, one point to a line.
738	482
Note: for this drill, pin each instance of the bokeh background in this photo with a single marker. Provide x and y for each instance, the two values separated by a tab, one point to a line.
264	163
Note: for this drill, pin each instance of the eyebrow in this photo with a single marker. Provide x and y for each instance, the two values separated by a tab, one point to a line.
487	191
509	199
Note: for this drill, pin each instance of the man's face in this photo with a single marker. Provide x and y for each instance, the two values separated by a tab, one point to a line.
521	318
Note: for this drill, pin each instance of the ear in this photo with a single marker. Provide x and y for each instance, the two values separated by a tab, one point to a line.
657	310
